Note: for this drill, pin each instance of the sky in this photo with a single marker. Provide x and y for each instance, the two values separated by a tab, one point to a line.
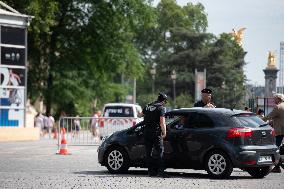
264	23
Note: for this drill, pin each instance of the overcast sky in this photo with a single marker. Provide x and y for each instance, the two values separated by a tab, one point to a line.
264	20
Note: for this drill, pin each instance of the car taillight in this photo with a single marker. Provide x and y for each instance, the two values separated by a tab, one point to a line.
272	132
239	132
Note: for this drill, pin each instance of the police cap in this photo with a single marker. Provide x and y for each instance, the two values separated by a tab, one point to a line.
208	91
162	97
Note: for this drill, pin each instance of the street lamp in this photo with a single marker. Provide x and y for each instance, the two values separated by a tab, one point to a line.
223	88
153	73
174	77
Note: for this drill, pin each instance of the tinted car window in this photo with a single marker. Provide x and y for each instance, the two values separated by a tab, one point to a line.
192	120
204	121
199	120
248	120
118	111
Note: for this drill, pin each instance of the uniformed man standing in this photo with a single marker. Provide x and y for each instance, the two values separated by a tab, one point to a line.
205	102
154	132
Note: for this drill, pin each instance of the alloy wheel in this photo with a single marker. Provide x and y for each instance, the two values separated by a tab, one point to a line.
115	160
217	164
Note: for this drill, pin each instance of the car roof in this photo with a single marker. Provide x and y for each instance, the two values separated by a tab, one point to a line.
223	111
120	104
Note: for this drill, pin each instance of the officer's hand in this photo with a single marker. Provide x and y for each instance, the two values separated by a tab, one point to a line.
209	105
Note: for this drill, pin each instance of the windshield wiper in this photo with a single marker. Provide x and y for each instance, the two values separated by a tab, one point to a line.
262	125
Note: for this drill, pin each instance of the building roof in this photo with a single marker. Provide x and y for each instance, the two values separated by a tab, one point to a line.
10	16
9	13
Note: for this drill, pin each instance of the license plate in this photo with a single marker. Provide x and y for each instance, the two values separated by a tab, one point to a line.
264	159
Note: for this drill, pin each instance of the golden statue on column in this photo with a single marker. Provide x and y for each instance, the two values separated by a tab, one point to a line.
271	60
238	35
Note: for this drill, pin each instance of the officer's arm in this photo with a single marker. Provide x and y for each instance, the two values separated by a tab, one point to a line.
163	126
140	114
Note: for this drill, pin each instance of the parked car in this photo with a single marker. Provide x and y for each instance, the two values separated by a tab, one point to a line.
216	140
119	116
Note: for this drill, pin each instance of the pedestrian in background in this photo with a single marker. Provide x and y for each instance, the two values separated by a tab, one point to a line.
61	119
277	117
39	123
247	109
50	123
95	125
77	126
154	132
206	99
260	113
45	125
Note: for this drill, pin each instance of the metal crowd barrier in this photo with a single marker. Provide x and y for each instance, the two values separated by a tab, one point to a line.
84	135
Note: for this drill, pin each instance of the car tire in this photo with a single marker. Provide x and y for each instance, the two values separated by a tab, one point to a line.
218	165
258	172
117	160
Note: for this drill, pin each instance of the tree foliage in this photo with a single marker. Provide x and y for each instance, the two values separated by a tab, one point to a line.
85	53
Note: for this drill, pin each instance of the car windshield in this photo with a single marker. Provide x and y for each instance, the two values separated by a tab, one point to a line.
118	111
249	120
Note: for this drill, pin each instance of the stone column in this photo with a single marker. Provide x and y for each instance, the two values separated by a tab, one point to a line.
270	81
270	75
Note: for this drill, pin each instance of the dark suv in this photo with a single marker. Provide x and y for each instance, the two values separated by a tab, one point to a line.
216	140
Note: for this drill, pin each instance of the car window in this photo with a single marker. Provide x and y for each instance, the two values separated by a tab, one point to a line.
248	120
170	119
192	120
118	111
176	121
199	120
205	121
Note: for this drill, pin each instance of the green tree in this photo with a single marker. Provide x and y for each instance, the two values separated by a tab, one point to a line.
78	49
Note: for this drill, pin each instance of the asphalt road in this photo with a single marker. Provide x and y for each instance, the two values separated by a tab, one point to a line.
36	165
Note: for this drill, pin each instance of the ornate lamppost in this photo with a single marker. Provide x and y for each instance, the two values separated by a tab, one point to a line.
174	77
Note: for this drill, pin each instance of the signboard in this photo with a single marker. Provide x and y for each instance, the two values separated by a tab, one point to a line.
12	56
13	35
12	76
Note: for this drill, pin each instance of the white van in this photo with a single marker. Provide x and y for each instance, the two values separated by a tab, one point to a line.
119	116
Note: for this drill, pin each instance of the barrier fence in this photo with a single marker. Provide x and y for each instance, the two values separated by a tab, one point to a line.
89	130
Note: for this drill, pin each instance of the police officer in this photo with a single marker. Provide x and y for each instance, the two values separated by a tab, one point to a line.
205	102
154	132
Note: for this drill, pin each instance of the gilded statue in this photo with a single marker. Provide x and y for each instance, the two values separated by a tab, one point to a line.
271	60
238	35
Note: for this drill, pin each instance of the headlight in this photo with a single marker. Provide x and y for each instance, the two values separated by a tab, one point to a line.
106	137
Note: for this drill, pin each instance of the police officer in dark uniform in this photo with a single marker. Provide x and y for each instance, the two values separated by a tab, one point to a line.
154	132
205	102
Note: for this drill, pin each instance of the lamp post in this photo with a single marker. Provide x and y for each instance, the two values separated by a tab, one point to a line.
153	74
174	77
223	91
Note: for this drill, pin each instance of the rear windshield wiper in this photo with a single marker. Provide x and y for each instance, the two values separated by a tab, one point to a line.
262	125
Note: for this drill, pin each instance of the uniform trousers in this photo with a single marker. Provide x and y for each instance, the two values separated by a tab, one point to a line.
154	151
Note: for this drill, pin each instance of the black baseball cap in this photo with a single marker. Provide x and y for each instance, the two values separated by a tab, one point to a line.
206	90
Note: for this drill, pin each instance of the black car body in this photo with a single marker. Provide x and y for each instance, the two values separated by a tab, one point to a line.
215	140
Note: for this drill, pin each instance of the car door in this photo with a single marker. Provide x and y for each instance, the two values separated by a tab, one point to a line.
173	143
196	138
135	144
